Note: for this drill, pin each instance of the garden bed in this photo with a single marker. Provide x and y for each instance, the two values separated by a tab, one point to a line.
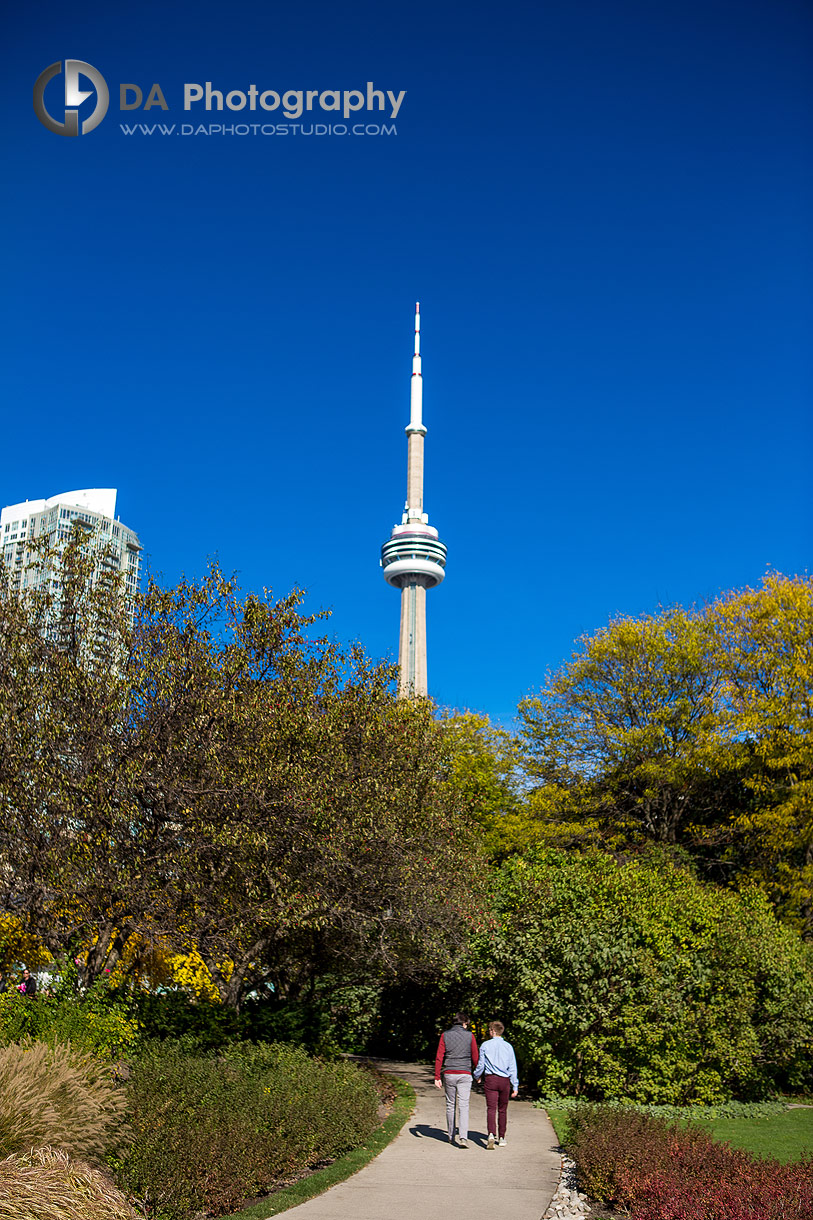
657	1168
317	1181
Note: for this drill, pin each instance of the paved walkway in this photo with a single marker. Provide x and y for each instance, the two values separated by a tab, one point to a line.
420	1177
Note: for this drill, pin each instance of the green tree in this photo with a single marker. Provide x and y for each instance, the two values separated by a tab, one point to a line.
199	773
637	980
482	775
764	645
626	738
690	728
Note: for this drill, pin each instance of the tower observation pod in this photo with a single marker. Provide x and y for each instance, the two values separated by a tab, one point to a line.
413	558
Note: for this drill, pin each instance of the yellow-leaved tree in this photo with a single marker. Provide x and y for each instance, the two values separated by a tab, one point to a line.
691	728
764	642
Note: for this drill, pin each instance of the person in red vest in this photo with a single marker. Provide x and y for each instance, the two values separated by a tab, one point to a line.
456	1059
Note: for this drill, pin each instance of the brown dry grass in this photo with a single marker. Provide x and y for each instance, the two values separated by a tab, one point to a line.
57	1096
46	1185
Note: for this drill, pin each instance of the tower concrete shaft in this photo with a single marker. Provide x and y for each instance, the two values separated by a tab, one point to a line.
412	678
414	559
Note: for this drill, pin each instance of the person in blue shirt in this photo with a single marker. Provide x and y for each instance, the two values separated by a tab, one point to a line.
497	1064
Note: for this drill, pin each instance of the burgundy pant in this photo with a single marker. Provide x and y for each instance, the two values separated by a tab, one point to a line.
498	1090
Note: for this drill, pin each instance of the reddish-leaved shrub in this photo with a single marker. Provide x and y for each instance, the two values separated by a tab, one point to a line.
662	1171
750	1190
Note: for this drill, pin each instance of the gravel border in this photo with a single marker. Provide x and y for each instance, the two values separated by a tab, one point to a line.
568	1202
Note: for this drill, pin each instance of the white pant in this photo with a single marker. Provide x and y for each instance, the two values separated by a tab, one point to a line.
457	1087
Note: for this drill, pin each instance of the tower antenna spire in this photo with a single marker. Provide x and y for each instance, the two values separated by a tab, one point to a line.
414	559
416	385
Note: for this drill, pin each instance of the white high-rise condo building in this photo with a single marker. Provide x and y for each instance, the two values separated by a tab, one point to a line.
52	521
414	559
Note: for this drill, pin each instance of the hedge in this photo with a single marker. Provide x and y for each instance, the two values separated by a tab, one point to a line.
212	1130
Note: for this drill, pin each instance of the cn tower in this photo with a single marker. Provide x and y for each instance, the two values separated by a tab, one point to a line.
413	558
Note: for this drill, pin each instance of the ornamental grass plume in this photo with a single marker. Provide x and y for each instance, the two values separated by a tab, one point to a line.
46	1185
57	1096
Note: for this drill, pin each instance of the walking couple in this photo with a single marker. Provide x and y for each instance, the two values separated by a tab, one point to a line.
458	1060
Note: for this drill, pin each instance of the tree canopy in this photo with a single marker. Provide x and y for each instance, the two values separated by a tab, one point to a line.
638	980
198	772
689	728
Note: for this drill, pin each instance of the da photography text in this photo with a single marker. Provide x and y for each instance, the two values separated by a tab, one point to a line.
63	109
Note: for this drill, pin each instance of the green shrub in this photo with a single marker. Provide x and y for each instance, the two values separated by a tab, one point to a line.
20	1017
335	1017
213	1129
46	1185
55	1095
200	1024
637	980
96	1021
696	1113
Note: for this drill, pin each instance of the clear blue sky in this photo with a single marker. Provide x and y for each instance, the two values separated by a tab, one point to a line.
605	211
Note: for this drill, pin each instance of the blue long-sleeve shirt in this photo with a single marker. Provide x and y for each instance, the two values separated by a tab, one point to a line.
497	1058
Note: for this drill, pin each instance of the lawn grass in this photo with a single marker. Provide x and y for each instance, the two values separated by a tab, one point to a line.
320	1181
559	1120
785	1137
